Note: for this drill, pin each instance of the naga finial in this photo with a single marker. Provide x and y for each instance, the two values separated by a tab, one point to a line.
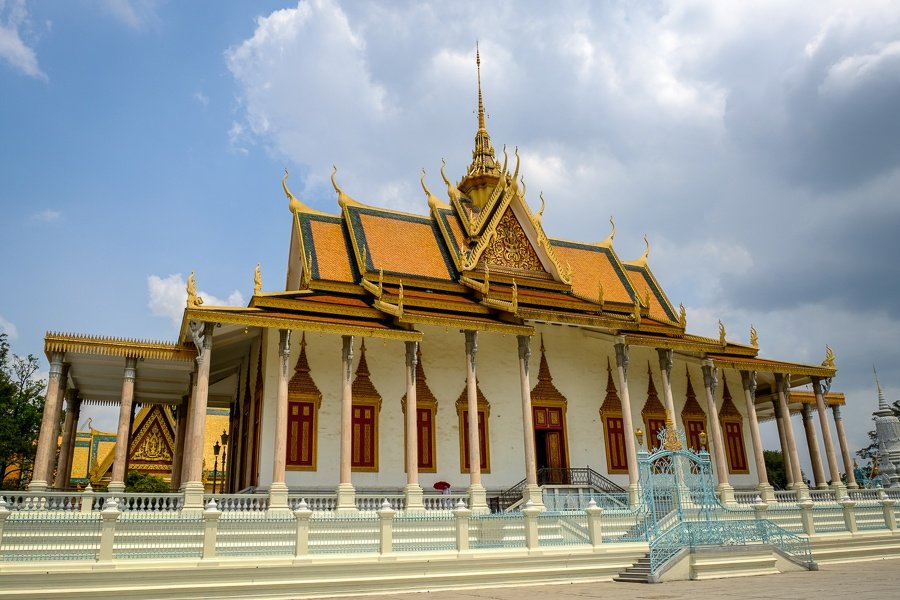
505	159
432	199
643	259
829	357
722	333
257	280
193	300
293	204
609	239
452	190
343	199
515	177
682	316
540	213
754	337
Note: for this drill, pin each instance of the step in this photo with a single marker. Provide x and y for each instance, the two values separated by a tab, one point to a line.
625	578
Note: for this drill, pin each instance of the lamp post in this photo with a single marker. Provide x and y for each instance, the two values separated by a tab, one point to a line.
639	434
224	457
702	437
216	449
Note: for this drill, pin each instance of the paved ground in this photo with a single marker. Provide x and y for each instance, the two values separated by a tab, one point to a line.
870	580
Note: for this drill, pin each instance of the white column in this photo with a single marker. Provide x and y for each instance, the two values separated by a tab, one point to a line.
665	368
748	382
783	383
627	421
64	467
477	495
46	449
812	443
278	491
123	433
346	493
782	440
180	432
413	490
532	492
710	382
192	469
845	452
830	455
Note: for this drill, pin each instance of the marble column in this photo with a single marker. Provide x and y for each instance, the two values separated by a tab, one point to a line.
123	432
477	494
532	491
64	468
192	470
845	452
748	382
812	442
827	440
627	421
180	430
346	493
782	440
412	491
783	385
46	448
665	368
710	382
278	491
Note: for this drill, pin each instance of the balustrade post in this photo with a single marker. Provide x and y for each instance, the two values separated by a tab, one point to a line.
890	517
210	529
595	527
302	515
806	517
109	515
761	509
87	499
386	517
462	515
847	505
531	512
4	513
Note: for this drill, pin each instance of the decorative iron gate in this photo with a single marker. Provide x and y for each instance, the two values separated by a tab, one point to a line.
677	484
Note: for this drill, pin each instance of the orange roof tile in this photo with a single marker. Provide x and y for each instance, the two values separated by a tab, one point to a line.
592	266
644	285
329	251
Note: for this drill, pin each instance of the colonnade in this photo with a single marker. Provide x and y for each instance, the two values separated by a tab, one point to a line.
187	466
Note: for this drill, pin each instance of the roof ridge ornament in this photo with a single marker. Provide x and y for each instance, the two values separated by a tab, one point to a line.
257	280
452	191
343	199
722	339
829	357
609	239
193	300
754	337
682	316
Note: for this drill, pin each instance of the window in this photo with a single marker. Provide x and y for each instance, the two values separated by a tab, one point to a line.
425	439
654	426
364	437
616	458
734	447
301	442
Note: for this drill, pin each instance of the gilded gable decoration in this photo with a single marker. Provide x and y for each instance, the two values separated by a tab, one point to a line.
510	248
153	442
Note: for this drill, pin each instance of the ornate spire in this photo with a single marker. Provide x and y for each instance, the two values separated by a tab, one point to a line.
882	402
611	403
545	390
484	163
302	384
362	387
691	406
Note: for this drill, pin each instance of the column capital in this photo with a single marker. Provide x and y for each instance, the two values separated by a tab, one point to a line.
622	353
525	349
56	365
347	354
836	412
471	344
710	376
806	412
412	358
284	342
665	360
130	369
748	380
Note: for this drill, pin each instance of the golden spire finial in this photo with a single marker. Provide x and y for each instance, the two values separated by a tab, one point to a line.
609	239
193	300
829	357
257	280
722	333
480	101
754	337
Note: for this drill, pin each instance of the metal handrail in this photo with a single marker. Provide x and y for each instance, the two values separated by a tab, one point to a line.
583	476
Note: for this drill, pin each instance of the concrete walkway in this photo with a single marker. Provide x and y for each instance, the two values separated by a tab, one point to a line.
870	580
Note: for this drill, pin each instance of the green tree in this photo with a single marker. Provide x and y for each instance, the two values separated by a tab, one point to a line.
775	468
136	481
21	407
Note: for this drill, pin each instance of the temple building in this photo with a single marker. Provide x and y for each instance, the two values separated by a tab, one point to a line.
464	346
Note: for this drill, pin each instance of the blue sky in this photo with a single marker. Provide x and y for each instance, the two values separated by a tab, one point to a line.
755	144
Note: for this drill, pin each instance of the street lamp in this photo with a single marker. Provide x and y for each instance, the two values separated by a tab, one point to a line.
224	457
216	449
702	437
639	433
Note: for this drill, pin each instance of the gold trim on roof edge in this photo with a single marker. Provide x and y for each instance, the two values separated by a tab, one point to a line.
111	346
773	367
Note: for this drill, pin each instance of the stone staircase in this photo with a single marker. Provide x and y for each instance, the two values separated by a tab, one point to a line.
639	572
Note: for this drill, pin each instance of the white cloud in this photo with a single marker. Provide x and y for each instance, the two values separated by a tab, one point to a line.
168	297
853	71
136	14
47	215
9	329
201	98
13	49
